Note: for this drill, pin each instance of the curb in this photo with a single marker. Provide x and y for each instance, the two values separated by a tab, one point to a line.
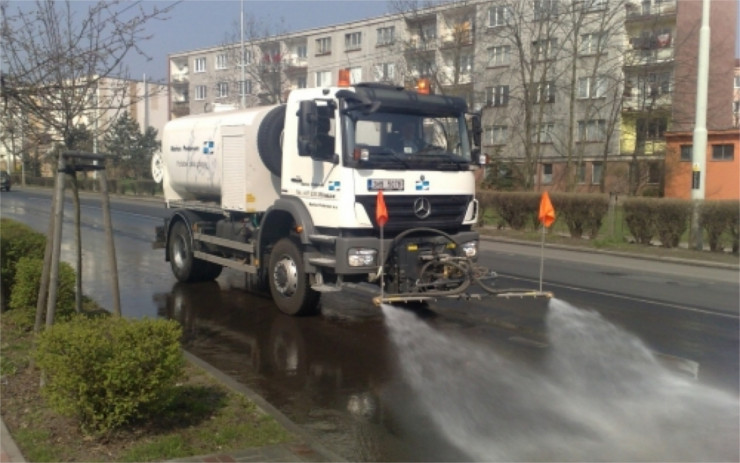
9	451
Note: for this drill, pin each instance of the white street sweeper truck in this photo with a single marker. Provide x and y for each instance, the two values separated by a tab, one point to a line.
289	195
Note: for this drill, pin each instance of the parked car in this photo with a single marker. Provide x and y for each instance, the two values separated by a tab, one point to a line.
4	181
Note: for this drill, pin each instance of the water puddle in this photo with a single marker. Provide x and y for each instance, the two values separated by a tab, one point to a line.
598	394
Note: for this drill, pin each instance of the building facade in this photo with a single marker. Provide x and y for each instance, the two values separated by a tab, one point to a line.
574	95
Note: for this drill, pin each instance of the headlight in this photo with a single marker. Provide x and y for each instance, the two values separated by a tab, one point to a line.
361	257
470	249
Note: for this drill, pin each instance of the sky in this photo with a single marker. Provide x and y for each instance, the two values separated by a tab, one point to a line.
200	23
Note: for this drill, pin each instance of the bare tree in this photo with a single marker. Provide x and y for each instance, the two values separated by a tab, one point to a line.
62	59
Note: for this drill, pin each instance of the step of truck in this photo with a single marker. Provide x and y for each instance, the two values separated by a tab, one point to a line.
329	239
323	261
326	288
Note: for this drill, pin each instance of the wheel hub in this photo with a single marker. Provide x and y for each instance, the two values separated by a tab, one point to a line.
286	276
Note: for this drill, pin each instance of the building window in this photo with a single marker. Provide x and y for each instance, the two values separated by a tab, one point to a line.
542	133
498	16
301	82
723	152
737	81
581	172
200	92
591	87
222	61
323	46
590	44
429	32
386	35
595	5
544	9
547	173
466	64
200	65
497	96
597	171
222	90
544	49
496	135
353	41
301	51
589	131
385	72
651	129
543	92
245	87
323	78
499	56
355	75
687	152
654	173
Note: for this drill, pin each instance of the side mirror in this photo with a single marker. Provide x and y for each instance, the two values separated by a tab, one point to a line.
477	129
307	128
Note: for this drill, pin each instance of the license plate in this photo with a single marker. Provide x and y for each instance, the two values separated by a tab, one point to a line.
385	184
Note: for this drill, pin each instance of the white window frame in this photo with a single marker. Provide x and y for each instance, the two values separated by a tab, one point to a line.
593	130
386	35
323	78
222	61
301	51
301	82
499	16
544	131
222	90
591	87
355	75
385	72
323	46
499	55
199	64
245	87
497	134
591	43
597	171
497	96
201	92
353	41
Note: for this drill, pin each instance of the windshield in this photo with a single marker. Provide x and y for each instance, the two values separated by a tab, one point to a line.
392	140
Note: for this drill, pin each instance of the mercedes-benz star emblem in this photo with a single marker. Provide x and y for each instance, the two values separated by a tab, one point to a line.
422	208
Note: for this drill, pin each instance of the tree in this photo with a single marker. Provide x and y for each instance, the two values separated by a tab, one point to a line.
131	150
60	55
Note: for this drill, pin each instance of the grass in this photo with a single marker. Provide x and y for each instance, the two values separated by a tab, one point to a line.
203	417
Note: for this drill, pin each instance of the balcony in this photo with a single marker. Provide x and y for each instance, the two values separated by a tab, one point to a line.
417	44
648	11
181	77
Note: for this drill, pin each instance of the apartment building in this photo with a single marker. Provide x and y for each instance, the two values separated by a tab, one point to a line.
574	94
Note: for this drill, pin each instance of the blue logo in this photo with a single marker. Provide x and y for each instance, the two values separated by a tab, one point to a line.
335	185
422	185
208	147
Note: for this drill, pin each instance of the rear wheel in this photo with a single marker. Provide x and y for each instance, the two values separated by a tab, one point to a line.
289	282
185	266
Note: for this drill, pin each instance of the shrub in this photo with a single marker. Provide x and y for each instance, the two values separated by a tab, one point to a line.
639	214
581	213
671	220
16	240
27	282
516	209
107	371
718	218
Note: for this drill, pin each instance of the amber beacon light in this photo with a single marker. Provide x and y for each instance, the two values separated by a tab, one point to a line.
423	86
344	77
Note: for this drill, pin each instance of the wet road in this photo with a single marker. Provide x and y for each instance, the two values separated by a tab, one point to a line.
640	363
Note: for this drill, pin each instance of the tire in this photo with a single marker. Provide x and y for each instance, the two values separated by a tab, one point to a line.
270	140
289	284
185	266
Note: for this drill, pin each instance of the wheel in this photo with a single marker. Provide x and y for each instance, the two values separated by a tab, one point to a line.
289	283
185	266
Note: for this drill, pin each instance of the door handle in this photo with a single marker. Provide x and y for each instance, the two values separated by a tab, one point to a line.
296	179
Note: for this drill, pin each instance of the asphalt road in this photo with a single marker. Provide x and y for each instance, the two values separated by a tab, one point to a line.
635	359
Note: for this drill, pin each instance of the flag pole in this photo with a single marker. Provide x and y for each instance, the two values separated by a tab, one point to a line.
542	256
546	216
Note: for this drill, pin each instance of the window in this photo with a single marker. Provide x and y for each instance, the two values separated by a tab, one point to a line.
498	95
594	5
355	75
353	41
544	49
542	133
466	64
200	65
687	152
385	72
323	78
245	87
651	129
323	46
222	61
544	9
222	90
547	173
496	135
737	81
543	92
499	56
654	172
386	35
301	51
429	32
723	152
301	82
590	44
592	130
597	171
581	172
247	57
591	87
498	16
200	92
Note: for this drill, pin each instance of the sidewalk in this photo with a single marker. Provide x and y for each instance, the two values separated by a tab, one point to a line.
299	450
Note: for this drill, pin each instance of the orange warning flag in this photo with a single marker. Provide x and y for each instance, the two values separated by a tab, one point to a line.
381	213
547	212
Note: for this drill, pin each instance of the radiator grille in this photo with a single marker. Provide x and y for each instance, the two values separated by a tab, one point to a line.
447	212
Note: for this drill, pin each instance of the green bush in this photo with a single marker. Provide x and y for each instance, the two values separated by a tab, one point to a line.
26	287
639	215
107	371
516	208
720	218
581	212
17	240
671	219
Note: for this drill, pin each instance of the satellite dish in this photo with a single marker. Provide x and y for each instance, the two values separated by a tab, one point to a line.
157	167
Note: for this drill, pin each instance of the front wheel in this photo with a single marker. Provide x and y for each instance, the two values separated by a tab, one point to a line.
185	266
289	282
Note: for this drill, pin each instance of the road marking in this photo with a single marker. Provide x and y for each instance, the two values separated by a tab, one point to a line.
628	298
